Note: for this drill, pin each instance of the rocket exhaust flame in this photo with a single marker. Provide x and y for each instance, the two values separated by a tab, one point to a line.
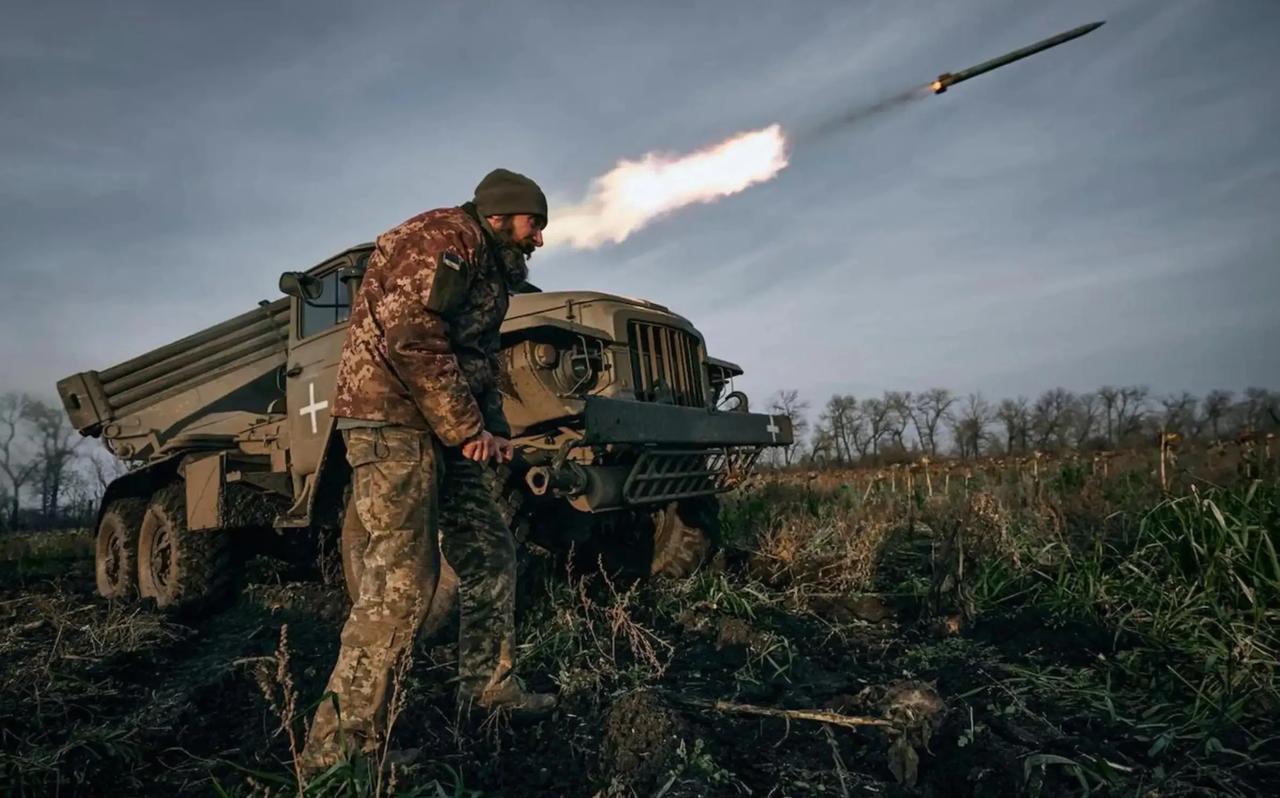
634	193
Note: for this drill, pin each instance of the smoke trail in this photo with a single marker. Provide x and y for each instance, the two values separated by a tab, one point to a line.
864	112
634	193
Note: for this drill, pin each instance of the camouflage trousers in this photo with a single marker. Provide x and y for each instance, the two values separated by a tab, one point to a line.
412	498
479	547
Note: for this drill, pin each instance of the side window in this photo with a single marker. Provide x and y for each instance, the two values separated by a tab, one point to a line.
333	307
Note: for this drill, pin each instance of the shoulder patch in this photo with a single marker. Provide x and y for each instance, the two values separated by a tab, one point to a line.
449	282
452	260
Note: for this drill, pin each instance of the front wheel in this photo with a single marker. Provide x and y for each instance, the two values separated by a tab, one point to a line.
686	534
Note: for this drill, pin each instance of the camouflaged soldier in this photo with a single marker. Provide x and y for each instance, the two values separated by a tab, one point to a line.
418	402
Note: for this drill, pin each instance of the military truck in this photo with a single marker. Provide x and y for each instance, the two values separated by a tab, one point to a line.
625	432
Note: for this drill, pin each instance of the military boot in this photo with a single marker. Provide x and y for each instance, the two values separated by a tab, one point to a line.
511	697
318	757
515	698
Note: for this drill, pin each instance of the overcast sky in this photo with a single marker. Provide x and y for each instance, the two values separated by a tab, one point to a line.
1106	212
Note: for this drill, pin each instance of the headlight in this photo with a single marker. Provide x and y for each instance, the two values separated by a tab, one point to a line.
581	365
546	355
573	364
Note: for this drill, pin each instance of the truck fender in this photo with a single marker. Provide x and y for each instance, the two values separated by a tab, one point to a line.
329	498
139	483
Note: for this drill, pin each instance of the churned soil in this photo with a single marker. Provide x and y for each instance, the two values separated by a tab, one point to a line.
103	699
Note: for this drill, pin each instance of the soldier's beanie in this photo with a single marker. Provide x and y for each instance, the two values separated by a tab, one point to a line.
503	192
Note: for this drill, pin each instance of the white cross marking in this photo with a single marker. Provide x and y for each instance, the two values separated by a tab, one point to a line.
314	407
773	429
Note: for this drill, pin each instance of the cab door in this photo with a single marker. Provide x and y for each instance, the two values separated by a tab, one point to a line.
315	346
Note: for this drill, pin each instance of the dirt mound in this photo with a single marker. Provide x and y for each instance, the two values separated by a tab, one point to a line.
642	736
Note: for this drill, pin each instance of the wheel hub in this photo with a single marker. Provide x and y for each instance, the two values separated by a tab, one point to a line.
161	557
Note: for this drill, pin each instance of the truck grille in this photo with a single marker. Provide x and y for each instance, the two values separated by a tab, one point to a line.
666	364
661	475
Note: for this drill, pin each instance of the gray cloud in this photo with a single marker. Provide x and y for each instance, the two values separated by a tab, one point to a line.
1103	212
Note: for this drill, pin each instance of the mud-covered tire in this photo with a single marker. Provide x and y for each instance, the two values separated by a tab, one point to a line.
182	570
686	534
355	538
115	560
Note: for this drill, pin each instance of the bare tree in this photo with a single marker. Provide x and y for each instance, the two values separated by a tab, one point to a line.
1131	405
17	469
1015	415
859	430
1217	404
57	441
843	421
81	499
1051	417
930	407
901	406
826	434
1261	408
822	446
969	425
1179	414
1088	410
876	412
789	404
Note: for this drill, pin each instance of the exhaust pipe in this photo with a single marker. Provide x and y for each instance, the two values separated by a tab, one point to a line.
589	488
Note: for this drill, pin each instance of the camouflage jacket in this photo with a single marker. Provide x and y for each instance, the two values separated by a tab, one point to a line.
422	348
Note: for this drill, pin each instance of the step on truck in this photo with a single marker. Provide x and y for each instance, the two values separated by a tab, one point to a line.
625	432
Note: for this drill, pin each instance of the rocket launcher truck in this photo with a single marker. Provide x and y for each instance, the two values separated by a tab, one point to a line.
625	430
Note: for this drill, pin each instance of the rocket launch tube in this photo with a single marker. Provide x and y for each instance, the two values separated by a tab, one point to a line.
952	78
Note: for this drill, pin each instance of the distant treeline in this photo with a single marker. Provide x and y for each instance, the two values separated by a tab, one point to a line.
51	477
901	425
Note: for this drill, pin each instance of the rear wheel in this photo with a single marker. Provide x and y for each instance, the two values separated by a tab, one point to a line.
686	534
116	548
179	568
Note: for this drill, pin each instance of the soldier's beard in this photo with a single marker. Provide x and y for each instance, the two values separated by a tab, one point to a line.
515	256
514	263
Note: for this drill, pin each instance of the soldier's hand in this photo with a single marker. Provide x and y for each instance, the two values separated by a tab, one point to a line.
504	450
480	448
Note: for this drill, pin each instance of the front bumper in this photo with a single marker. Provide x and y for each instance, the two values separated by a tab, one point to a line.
626	421
682	453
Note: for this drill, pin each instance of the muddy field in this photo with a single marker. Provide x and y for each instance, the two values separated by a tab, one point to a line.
980	642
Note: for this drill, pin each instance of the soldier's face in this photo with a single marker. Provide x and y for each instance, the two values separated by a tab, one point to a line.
526	232
521	230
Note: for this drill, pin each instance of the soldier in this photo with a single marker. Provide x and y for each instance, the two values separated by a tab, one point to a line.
418	404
